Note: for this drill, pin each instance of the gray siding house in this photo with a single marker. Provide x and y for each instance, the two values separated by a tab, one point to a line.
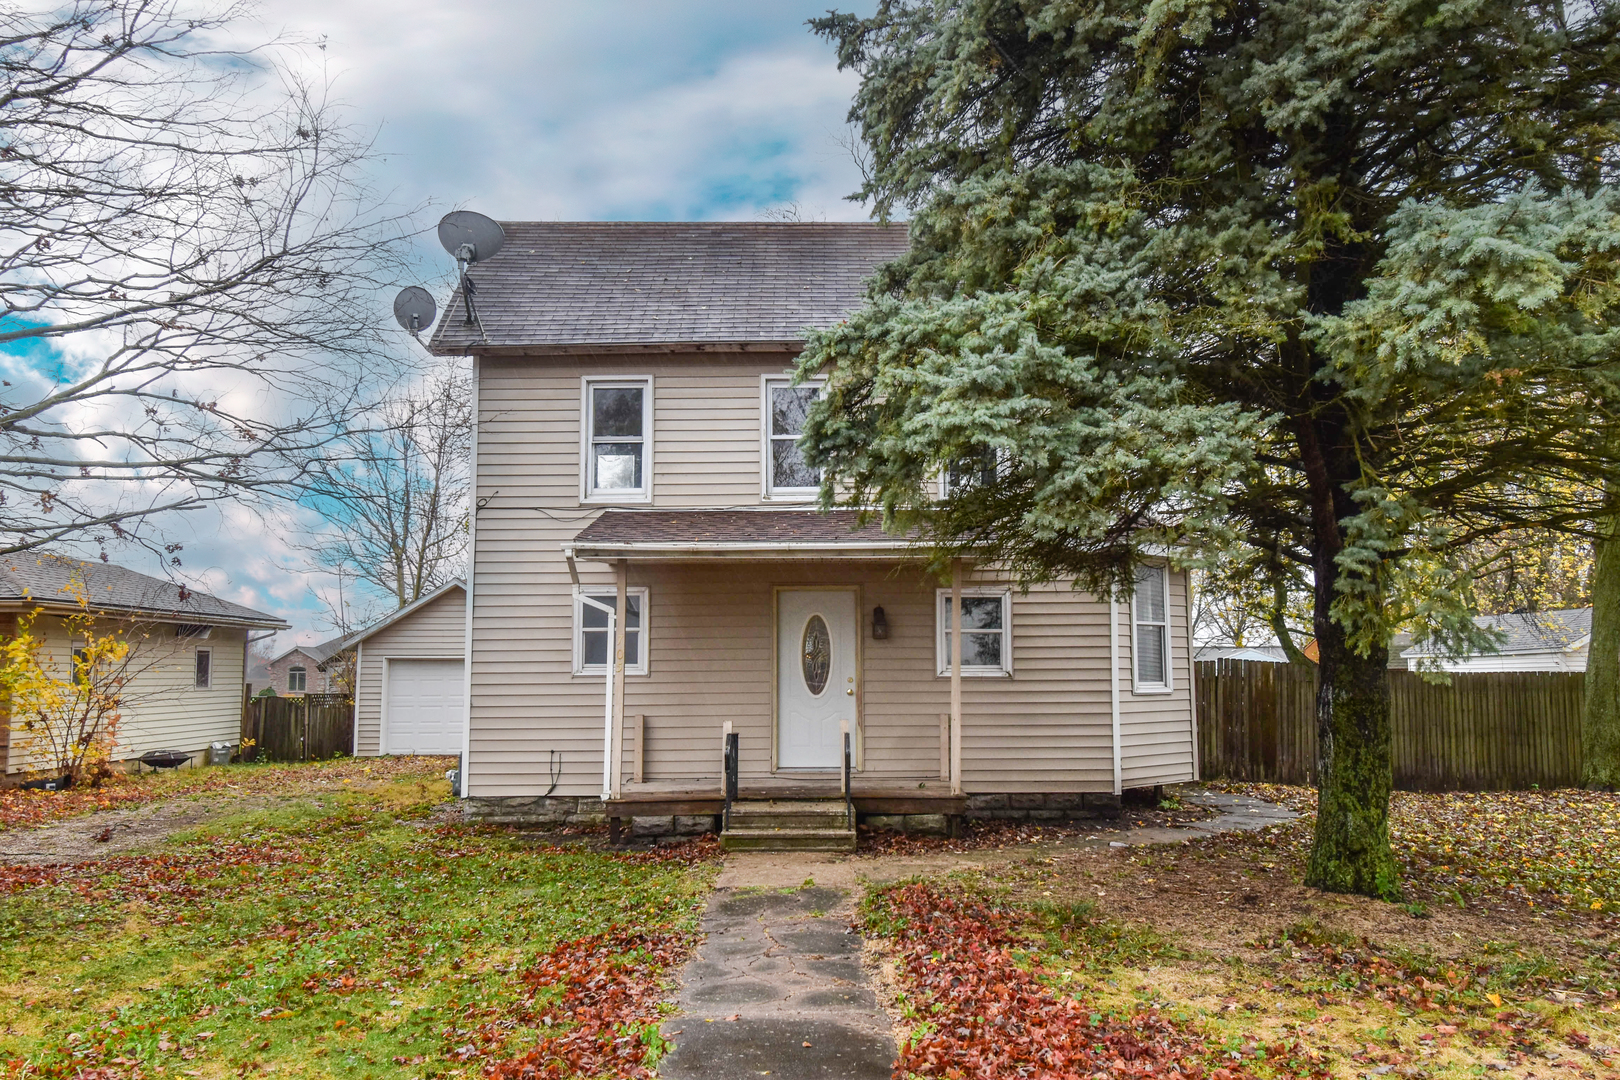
635	446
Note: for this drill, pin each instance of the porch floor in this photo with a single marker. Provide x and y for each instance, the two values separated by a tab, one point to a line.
658	797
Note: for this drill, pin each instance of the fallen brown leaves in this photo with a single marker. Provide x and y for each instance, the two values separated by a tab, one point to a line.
612	987
150	877
21	808
989	1015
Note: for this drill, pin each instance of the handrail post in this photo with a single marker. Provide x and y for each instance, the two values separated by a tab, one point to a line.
731	777
849	799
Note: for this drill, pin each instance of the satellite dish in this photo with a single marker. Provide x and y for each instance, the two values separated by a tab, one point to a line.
414	308
470	237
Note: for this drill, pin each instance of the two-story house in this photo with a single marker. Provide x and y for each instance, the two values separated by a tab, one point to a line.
636	446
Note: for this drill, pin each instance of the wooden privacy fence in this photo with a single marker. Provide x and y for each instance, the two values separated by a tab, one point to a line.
1491	731
298	728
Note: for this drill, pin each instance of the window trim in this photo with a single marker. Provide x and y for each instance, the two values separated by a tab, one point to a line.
943	484
302	670
942	655
578	665
767	492
1169	685
208	683
644	494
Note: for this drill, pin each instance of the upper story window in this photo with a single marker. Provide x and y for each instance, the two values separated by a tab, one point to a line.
1150	642
617	440
204	669
976	470
784	410
296	680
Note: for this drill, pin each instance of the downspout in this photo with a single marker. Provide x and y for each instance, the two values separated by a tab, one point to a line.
1113	689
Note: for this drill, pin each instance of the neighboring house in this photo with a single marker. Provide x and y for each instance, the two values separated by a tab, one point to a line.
189	651
636	445
411	685
1534	641
1264	654
304	669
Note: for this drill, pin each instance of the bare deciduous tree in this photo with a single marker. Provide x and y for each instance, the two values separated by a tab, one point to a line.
396	495
189	269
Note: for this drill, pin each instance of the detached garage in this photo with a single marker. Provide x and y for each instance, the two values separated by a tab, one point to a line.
410	678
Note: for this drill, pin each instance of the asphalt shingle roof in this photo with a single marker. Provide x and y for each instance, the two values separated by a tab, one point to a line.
558	284
48	579
731	527
319	653
1535	631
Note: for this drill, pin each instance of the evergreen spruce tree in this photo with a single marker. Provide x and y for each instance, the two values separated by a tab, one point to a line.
1331	280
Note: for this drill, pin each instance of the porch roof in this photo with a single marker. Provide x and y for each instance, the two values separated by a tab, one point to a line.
739	534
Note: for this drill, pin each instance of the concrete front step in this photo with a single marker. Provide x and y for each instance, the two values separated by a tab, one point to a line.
789	814
796	839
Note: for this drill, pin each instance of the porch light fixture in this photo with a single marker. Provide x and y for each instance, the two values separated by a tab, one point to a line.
880	625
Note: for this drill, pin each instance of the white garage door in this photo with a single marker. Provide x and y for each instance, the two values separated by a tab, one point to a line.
423	713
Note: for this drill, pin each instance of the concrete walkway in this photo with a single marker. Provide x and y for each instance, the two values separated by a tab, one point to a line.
777	989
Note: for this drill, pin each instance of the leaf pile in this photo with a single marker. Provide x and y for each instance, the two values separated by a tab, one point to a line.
987	1014
612	988
21	808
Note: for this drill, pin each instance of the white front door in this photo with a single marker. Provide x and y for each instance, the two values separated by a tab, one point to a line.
815	675
425	707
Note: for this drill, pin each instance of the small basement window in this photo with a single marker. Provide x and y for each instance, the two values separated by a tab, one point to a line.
1150	606
986	632
591	644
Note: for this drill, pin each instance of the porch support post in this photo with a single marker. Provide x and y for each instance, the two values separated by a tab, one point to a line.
956	676
620	580
1113	689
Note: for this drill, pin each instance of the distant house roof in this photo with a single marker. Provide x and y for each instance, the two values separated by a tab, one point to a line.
717	533
458	585
49	580
1268	654
566	285
320	654
1531	632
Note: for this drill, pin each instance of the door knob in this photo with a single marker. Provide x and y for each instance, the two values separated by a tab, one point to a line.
850	692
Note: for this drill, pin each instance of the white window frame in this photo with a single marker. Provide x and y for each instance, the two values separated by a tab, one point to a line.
767	490
945	474
642	494
208	683
942	627
608	594
1138	685
302	669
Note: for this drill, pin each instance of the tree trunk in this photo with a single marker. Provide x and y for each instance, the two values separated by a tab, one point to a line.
1600	727
1351	852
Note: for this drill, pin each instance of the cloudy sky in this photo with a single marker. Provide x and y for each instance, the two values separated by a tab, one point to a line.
611	110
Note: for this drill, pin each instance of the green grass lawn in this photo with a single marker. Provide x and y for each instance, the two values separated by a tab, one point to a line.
342	934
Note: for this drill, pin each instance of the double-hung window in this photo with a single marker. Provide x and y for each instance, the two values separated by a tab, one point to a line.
784	408
297	676
986	632
1150	648
978	469
204	670
592	645
618	440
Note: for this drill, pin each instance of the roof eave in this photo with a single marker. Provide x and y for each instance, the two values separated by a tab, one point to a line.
666	550
53	607
615	348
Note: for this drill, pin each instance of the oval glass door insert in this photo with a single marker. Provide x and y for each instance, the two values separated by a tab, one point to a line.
817	654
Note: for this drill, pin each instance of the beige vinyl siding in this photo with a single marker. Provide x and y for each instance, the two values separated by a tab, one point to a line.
436	630
163	708
711	632
1156	734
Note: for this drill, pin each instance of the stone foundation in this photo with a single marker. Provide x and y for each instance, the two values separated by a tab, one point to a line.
585	810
